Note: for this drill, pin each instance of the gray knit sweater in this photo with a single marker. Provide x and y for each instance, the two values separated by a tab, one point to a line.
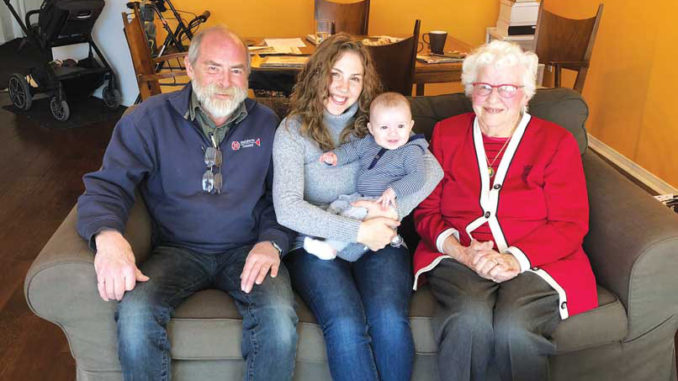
303	187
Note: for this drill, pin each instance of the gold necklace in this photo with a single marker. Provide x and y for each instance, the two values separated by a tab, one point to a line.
490	170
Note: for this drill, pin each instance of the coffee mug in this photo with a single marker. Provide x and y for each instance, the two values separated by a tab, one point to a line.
436	40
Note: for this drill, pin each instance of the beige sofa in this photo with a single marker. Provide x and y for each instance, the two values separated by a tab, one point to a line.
632	244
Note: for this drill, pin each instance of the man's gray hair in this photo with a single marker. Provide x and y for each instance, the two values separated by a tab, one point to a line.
500	54
194	48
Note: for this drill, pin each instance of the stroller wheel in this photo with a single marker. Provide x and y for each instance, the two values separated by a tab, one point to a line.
20	92
111	97
60	110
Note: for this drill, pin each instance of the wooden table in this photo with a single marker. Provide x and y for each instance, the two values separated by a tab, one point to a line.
443	72
423	73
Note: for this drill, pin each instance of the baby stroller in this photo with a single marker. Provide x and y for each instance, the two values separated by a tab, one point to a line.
61	23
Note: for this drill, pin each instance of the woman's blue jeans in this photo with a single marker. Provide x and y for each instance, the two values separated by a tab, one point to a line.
362	308
269	320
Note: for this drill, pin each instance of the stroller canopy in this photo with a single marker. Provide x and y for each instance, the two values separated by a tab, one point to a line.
67	19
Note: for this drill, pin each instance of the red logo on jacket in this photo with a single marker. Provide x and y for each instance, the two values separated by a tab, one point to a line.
246	143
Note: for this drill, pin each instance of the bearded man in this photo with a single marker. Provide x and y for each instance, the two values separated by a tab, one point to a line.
201	160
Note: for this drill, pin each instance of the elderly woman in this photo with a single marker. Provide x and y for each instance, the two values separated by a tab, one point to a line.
362	306
502	233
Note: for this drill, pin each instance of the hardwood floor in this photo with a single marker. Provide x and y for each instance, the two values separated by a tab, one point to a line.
40	180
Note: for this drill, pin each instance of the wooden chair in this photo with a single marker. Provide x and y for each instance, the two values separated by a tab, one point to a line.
145	66
566	43
395	62
351	18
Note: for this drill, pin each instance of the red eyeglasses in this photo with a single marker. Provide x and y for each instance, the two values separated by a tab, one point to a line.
504	90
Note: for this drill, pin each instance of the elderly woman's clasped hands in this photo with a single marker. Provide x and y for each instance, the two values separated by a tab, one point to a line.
484	260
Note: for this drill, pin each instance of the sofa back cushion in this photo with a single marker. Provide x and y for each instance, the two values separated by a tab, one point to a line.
561	106
564	107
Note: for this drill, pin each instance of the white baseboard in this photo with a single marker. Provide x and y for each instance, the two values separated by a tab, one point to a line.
627	165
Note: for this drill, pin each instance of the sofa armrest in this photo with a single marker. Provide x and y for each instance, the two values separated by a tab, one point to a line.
66	245
633	246
60	286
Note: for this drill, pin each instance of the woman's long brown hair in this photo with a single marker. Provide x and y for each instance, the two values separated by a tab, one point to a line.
312	89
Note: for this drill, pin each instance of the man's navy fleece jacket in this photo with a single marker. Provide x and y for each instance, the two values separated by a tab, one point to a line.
155	149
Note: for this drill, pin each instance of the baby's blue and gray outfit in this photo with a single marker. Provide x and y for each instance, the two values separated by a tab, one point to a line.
401	169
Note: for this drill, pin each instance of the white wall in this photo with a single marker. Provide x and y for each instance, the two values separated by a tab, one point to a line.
9	28
109	36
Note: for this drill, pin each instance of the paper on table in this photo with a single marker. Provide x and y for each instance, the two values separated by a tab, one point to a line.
284	61
257	47
380	40
433	59
276	50
285	42
312	39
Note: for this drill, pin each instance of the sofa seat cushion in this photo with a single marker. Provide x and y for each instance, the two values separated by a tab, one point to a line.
208	327
602	325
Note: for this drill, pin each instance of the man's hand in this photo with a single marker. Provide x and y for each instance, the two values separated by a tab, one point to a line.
114	265
329	158
377	232
262	258
387	199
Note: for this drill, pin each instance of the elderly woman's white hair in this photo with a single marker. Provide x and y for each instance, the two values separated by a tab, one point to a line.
500	54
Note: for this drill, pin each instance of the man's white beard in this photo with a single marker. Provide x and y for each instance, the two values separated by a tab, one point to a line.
219	108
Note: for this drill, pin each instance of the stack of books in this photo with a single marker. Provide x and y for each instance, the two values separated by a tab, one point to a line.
517	17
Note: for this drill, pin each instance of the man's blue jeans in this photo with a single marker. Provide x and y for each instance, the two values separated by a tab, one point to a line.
269	319
362	308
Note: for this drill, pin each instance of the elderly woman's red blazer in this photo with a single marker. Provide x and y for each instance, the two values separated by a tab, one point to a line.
536	204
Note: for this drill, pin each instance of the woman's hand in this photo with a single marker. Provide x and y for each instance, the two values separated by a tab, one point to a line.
509	269
377	232
493	265
481	258
374	209
464	254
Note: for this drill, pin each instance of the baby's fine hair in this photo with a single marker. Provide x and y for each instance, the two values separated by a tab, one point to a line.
390	99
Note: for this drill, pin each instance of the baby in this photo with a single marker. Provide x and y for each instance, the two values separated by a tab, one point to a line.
391	167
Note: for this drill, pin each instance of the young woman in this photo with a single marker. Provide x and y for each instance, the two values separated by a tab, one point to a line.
361	306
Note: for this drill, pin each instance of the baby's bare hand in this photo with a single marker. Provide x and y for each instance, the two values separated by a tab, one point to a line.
329	158
387	199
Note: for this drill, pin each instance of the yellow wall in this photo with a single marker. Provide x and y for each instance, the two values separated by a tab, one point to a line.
630	86
464	19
